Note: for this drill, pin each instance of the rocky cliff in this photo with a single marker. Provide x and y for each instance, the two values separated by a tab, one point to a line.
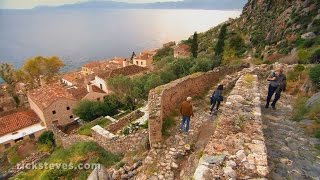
270	27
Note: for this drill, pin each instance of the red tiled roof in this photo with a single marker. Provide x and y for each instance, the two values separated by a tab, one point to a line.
92	64
78	93
13	122
182	47
96	89
128	71
45	96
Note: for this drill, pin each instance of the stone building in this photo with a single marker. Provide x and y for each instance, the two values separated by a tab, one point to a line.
181	51
53	104
18	126
144	59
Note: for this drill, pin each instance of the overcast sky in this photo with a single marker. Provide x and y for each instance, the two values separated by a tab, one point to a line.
27	4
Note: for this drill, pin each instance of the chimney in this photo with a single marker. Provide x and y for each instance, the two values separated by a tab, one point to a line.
42	81
89	87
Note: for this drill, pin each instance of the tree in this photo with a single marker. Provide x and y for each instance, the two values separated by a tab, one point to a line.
220	44
202	65
123	88
237	43
8	74
39	67
47	138
194	45
163	52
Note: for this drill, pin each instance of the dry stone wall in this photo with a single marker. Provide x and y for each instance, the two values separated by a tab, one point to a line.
237	149
120	144
164	99
118	125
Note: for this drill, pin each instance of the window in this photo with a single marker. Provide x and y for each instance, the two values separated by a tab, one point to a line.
71	117
100	86
31	136
137	62
53	112
6	146
19	139
141	63
68	108
98	99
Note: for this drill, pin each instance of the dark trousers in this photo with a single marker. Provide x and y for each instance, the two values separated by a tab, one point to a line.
271	91
213	102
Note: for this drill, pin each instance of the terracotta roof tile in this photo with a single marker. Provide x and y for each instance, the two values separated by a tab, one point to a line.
78	93
13	122
128	71
45	96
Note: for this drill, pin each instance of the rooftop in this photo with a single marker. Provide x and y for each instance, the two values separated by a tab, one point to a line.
45	96
13	122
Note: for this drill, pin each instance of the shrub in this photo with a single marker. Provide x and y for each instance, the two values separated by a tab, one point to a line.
163	52
202	65
315	57
46	137
304	56
317	134
298	68
166	124
314	75
299	108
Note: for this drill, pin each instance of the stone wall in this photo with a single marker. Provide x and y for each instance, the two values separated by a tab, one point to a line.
116	126
67	140
119	144
164	99
237	148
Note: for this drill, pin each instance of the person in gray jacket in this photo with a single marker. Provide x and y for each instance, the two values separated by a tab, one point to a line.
216	98
277	85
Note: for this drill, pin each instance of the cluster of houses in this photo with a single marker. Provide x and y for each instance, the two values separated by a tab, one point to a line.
52	104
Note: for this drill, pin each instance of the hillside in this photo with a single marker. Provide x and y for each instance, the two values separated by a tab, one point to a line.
272	28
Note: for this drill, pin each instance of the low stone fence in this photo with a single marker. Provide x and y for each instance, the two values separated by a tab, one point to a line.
67	140
164	99
118	125
119	144
237	148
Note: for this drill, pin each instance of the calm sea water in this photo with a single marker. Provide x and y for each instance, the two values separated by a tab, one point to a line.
79	36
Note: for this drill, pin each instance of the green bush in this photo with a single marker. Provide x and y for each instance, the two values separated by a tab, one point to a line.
317	134
202	65
315	57
299	108
82	152
163	52
314	75
46	137
90	110
304	56
298	68
167	123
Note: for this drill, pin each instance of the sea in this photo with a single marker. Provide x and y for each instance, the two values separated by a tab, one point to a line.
80	36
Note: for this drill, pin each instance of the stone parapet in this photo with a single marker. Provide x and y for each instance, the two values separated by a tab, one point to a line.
237	149
118	125
164	99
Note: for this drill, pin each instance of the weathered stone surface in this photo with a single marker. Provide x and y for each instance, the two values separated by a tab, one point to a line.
229	172
206	159
200	171
309	35
314	99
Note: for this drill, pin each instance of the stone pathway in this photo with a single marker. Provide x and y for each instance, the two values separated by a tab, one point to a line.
171	160
291	153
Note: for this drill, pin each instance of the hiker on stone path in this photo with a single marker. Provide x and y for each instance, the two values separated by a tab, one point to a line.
277	84
216	98
186	112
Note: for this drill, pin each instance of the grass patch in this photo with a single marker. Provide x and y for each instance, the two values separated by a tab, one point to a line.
299	108
167	123
248	78
86	129
83	152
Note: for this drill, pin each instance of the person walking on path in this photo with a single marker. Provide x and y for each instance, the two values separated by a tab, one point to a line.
186	111
277	85
216	98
